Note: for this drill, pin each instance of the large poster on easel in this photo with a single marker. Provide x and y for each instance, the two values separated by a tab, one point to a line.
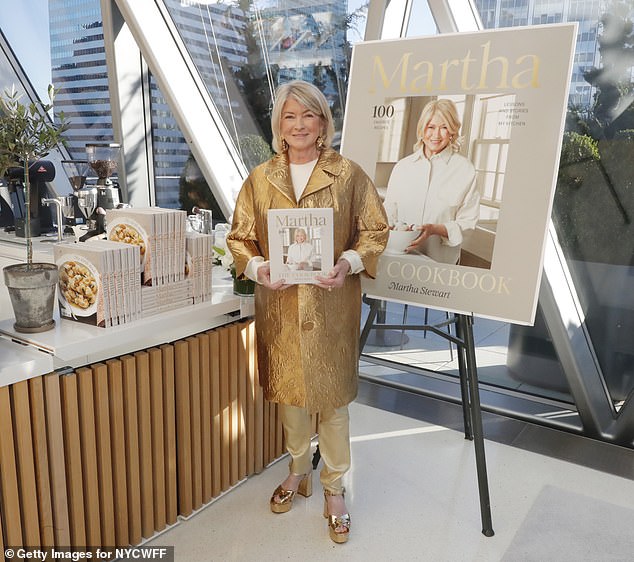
461	134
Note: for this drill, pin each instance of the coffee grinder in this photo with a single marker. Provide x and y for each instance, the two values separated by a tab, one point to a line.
77	173
104	159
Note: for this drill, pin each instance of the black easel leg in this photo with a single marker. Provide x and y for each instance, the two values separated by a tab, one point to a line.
476	418
464	380
369	322
316	457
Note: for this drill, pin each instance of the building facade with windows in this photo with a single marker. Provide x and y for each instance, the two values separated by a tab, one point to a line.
511	13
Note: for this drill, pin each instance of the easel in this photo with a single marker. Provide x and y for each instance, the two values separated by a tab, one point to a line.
469	390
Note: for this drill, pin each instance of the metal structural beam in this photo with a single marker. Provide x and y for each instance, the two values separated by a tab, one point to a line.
128	83
455	15
565	319
374	22
170	63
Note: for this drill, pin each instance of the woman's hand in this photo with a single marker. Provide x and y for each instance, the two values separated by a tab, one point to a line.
426	231
264	279
336	276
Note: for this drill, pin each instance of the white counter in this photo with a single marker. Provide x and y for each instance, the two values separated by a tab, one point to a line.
14	247
72	344
20	362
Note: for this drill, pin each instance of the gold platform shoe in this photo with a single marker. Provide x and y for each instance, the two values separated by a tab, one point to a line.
338	525
285	497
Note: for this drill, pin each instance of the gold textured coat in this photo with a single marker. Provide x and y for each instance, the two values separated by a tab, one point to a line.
308	337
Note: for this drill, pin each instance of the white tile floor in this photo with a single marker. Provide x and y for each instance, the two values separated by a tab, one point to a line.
412	495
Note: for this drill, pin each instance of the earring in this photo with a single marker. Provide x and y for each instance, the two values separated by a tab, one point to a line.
284	145
320	143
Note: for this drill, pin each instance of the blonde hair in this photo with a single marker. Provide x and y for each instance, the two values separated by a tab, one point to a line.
449	112
309	96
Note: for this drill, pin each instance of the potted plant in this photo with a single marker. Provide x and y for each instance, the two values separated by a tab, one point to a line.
242	286
28	133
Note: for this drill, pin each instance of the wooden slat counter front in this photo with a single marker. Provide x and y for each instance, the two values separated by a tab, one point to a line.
112	451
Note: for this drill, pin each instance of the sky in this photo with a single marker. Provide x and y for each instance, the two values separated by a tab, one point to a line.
25	25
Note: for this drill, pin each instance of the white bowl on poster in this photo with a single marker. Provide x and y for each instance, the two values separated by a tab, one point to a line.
399	240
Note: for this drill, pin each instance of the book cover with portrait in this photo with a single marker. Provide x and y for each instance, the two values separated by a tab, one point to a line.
300	244
461	134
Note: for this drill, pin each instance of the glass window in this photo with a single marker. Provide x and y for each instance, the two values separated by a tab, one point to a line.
243	51
593	207
421	20
78	68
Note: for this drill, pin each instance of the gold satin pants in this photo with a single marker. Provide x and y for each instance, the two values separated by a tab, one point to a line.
334	443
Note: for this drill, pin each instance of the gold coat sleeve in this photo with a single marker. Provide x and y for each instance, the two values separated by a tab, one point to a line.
371	221
242	240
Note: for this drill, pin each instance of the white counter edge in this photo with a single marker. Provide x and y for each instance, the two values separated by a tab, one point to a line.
72	344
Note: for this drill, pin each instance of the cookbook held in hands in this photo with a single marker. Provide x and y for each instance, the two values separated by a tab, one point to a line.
300	244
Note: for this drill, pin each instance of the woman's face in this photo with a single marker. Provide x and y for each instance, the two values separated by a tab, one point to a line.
300	127
436	136
300	237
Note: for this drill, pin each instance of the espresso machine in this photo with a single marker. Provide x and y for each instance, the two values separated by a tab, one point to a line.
40	173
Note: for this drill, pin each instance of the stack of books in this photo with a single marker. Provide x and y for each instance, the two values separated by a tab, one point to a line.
199	261
159	234
147	264
164	298
99	282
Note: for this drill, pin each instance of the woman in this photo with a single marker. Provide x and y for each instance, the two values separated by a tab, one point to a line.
300	253
308	335
434	189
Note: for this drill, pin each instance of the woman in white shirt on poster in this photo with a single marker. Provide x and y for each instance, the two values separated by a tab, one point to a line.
433	190
300	254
